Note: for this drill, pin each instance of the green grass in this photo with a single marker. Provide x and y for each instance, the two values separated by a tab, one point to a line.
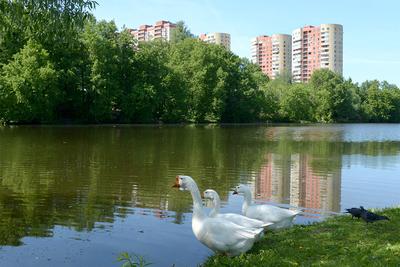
338	241
132	260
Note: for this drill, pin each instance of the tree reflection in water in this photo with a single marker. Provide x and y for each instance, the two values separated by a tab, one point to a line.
79	176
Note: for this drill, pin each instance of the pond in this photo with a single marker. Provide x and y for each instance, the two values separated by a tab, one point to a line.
81	195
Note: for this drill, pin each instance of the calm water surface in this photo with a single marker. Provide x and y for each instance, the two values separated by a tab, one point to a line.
79	196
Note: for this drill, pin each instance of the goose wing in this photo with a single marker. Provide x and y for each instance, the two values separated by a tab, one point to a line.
269	213
222	235
242	220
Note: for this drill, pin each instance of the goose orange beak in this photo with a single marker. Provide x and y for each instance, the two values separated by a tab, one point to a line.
177	185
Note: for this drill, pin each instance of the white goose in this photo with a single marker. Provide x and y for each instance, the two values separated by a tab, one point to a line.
233	217
217	234
281	218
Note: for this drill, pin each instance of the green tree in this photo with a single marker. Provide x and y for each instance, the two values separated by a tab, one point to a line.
180	32
29	91
394	93
126	72
195	62
381	101
334	97
275	90
221	87
246	101
55	25
158	93
296	103
285	76
101	41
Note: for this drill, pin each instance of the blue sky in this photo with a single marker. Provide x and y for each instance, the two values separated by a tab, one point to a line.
371	43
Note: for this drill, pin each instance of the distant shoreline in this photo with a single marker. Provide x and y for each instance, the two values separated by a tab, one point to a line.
186	124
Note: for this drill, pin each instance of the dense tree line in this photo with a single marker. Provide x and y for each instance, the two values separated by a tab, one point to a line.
58	64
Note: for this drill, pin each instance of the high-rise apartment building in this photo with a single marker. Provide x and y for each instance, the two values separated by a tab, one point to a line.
261	53
272	54
219	38
315	47
162	29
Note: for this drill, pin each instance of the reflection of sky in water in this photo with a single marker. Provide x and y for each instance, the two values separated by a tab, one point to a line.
371	132
370	181
159	241
337	132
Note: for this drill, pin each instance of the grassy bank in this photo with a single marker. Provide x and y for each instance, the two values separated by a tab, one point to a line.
338	241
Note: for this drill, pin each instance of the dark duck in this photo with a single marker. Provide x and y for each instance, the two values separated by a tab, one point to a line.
355	212
371	217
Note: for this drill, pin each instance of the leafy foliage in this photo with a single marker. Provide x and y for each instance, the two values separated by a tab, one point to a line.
101	42
180	32
333	96
132	260
297	103
29	92
58	64
381	101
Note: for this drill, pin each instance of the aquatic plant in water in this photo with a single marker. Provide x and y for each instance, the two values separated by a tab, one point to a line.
132	260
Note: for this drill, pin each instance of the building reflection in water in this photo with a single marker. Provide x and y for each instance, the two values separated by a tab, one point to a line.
291	179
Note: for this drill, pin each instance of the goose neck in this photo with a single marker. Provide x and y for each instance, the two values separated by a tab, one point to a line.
216	204
247	200
197	204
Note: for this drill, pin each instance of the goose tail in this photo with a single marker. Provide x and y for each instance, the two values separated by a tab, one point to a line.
296	212
265	225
